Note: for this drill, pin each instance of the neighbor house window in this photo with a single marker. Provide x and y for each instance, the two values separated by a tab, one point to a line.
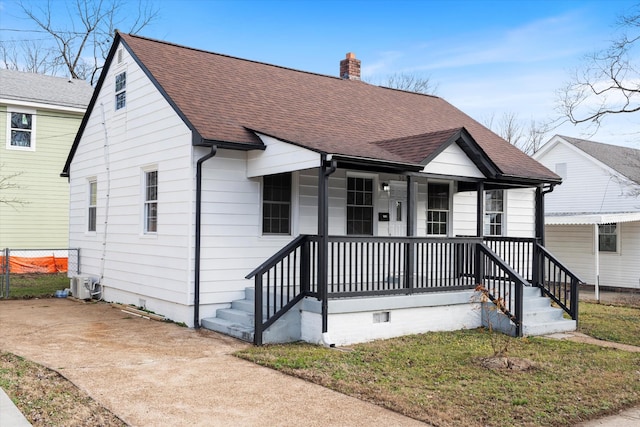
151	201
607	237
93	200
21	130
493	212
276	204
437	209
121	93
359	205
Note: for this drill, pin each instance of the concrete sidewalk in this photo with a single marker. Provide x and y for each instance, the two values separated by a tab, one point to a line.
10	415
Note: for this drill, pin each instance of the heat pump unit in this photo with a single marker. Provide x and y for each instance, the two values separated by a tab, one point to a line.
81	287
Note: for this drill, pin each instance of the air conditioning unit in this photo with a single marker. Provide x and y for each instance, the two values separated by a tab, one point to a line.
81	287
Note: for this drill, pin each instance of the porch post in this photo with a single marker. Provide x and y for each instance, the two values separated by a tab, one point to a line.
540	215
538	274
323	232
478	261
480	210
410	249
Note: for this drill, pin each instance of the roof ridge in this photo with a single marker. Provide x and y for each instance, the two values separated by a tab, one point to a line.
236	57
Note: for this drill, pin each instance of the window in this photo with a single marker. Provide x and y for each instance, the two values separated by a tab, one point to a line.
93	199
276	204
437	209
493	212
121	93
561	169
607	238
359	206
21	130
151	202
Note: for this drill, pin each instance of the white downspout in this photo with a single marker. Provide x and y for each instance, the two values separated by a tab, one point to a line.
596	246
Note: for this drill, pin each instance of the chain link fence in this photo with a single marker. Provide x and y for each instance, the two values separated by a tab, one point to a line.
36	272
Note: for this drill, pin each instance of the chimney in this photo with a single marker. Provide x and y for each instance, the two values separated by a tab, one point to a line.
350	67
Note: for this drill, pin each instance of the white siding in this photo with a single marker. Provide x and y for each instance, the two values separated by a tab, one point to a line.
521	209
588	187
574	245
519	215
279	157
147	132
453	161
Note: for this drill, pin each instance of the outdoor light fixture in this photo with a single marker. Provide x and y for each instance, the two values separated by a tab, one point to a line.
385	186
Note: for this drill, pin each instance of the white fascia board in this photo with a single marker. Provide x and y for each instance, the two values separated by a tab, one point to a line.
591	218
40	105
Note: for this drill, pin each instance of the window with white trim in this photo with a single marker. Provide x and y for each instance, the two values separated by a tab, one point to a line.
276	204
151	201
494	213
608	237
359	206
121	92
92	206
21	129
437	208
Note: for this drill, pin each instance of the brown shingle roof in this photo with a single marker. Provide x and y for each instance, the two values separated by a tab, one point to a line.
224	97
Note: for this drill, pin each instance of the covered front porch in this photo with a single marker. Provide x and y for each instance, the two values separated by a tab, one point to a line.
433	282
412	246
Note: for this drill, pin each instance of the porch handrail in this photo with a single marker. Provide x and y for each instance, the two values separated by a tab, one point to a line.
282	291
557	281
498	289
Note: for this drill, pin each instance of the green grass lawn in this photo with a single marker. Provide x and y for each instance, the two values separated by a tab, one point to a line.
36	285
439	377
610	323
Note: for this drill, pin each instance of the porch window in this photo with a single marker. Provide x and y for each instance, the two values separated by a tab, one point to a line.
121	93
437	209
151	202
276	204
359	206
93	198
607	237
493	212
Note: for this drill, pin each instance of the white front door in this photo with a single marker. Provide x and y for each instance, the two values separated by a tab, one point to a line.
397	208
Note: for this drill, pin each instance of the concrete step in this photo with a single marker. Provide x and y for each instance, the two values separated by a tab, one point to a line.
236	316
535	302
564	325
541	314
243	305
228	327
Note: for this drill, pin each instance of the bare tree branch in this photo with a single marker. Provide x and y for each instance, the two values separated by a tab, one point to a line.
411	83
608	83
527	137
8	185
80	42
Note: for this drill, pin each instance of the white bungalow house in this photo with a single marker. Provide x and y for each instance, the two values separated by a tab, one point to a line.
593	219
274	204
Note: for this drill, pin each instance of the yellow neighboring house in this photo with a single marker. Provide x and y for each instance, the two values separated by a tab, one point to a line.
39	118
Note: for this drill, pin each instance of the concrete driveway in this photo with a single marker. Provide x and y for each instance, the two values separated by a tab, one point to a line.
157	374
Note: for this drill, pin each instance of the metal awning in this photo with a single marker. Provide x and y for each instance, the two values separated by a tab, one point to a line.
590	218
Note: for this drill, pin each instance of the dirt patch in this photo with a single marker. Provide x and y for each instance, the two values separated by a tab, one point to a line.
48	399
506	363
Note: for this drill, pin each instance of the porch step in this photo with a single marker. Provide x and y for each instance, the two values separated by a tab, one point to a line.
228	327
540	318
240	317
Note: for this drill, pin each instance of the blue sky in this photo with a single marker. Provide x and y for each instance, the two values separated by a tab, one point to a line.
487	57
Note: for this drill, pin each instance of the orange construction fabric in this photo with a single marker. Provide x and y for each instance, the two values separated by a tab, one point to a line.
49	264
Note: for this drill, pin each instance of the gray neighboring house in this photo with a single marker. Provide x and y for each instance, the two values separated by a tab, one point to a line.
592	220
40	117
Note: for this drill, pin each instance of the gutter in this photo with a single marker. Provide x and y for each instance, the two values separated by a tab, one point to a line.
196	290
